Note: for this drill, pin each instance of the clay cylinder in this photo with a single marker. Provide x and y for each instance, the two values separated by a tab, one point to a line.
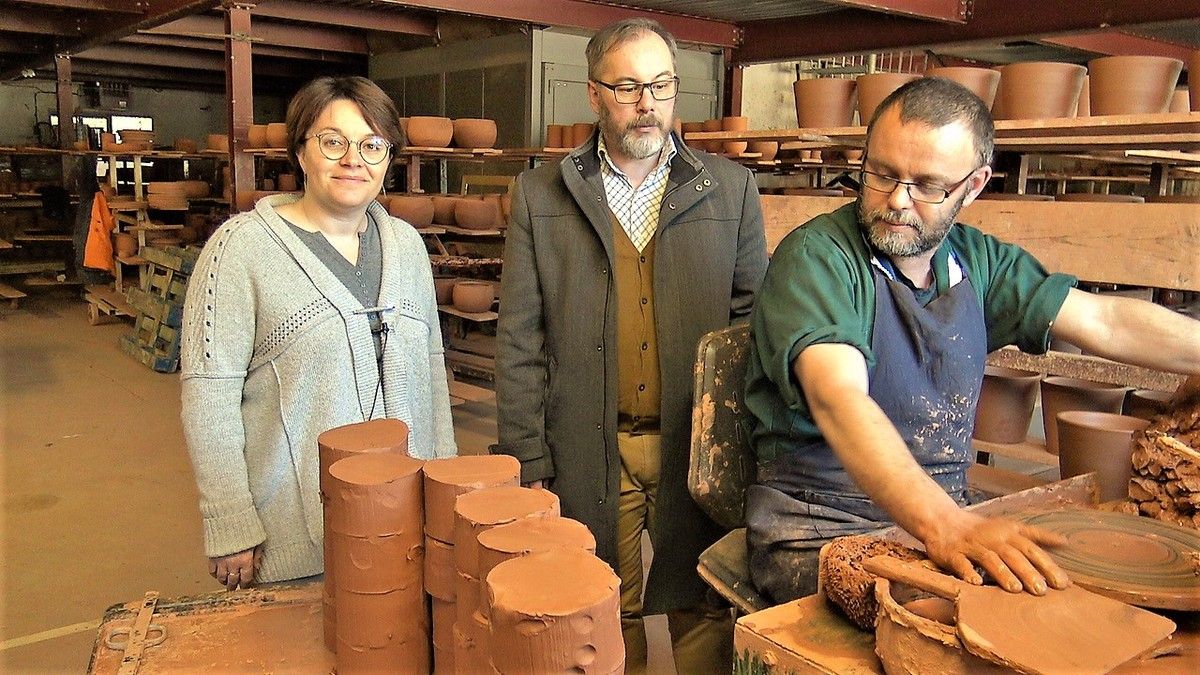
446	479
1060	394
1147	403
533	534
824	102
443	636
381	436
580	133
1038	89
471	648
982	82
382	632
439	569
1100	442
1123	85
378	564
554	135
479	511
874	87
1005	406
554	612
374	495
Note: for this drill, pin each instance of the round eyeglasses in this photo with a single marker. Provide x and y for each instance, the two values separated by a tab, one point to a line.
631	92
925	193
334	146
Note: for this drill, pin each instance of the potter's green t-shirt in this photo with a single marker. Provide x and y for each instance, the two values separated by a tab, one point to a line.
819	289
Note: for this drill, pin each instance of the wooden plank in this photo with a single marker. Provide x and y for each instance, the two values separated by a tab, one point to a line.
44	238
1031	450
472	233
1135	244
470	392
1167	141
10	294
996	482
1091	368
471	365
31	266
6	245
470	316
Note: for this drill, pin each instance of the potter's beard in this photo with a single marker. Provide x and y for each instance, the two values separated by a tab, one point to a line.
629	142
921	239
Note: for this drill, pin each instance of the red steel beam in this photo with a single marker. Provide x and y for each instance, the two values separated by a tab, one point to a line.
409	23
856	31
264	32
585	14
239	92
952	11
65	99
113	6
22	20
259	49
1119	43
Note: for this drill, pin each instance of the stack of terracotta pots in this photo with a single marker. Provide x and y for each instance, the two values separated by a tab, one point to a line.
374	530
734	148
474	513
1098	442
1060	394
445	480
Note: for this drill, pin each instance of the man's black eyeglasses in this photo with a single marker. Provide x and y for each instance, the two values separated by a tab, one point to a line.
631	92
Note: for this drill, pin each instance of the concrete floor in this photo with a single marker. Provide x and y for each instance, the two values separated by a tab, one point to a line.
99	499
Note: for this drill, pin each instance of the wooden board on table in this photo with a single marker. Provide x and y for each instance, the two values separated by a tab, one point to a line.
1082	367
31	266
470	316
12	295
1031	450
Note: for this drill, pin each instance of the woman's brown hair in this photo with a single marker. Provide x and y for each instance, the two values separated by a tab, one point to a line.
312	99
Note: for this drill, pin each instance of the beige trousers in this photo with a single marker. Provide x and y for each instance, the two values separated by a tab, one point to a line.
701	637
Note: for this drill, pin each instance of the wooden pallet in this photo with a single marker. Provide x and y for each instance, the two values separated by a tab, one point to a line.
105	305
159	306
156	360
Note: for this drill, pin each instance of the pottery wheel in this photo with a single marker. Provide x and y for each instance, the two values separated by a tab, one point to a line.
1137	560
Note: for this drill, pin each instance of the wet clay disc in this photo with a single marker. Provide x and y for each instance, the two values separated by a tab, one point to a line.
446	479
532	534
385	435
557	611
1137	560
481	510
375	495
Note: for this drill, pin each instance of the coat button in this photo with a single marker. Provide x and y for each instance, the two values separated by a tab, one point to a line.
645	301
707	182
604	270
641	387
671	206
599	348
699	188
597	427
599	199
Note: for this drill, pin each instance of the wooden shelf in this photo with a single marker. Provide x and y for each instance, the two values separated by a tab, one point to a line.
1031	450
463	261
31	266
472	233
469	316
43	238
127	205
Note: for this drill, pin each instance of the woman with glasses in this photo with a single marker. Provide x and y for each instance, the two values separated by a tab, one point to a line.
306	313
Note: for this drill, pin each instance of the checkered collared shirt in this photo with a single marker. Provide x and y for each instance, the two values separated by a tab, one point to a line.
637	208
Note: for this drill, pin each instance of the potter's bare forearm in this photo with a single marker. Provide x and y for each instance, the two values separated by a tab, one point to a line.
1130	331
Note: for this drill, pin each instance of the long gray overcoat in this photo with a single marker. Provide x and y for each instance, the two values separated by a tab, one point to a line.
556	361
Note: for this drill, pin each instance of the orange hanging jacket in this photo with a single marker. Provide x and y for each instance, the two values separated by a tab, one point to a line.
98	253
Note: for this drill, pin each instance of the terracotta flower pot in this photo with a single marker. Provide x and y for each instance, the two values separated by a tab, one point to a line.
982	82
1084	107
554	135
1147	403
218	142
125	244
473	296
580	133
1095	197
1179	100
874	87
443	209
1039	89
256	136
430	132
1005	405
712	146
476	214
416	210
692	127
824	102
1101	442
768	149
277	135
1193	87
1060	394
474	133
443	289
1130	85
734	124
186	145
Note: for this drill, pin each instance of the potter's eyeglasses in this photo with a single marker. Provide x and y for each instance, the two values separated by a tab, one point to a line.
631	92
334	146
925	193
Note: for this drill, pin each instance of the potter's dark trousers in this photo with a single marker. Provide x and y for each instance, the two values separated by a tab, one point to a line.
701	637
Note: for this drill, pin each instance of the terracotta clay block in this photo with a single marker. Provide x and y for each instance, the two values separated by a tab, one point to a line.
374	495
439	569
533	534
443	636
466	600
844	582
555	612
397	658
446	479
481	510
378	564
469	656
379	619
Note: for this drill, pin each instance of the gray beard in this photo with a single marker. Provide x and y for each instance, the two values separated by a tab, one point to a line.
628	143
896	244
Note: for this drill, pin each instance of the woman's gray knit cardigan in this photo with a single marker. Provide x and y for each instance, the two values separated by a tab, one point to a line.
276	351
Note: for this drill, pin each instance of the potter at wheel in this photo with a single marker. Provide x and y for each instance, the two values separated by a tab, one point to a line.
1130	558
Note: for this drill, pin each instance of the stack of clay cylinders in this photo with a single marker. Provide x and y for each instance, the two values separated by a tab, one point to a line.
475	513
557	611
445	480
374	517
375	436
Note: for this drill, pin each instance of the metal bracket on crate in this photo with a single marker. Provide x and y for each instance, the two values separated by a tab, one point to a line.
134	639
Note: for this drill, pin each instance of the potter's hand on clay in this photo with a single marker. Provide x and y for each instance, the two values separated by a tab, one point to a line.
1009	552
236	569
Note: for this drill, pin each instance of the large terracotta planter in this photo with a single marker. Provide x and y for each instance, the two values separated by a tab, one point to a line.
824	102
1060	394
416	210
1038	90
766	149
1127	85
430	132
473	296
1101	442
734	124
277	135
256	136
443	209
474	133
476	214
1147	403
1005	405
982	82
874	87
